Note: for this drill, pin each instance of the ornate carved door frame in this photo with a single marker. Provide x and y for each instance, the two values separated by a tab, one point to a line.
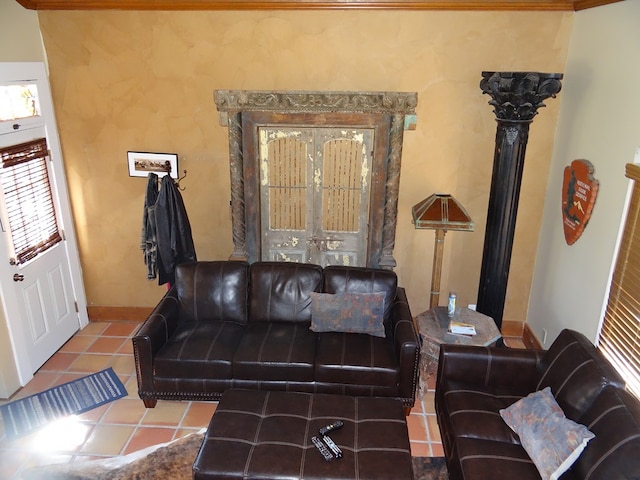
242	111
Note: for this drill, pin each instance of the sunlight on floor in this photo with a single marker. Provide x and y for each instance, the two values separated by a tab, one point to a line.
65	434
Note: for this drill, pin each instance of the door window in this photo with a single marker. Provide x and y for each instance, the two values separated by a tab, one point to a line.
28	199
19	101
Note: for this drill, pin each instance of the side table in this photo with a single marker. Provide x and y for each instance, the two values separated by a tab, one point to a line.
433	327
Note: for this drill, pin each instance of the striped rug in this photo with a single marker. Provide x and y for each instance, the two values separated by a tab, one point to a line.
28	414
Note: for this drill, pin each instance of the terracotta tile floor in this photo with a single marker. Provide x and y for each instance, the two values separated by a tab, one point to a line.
124	426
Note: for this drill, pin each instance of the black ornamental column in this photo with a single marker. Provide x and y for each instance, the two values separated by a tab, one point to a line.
516	97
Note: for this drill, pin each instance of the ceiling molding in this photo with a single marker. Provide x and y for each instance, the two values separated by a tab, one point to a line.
529	5
584	4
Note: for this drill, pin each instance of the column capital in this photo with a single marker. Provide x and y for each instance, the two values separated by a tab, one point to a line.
516	96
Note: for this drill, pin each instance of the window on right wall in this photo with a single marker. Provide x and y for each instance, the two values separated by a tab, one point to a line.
619	338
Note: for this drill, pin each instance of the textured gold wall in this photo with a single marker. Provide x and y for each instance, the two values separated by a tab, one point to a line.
145	80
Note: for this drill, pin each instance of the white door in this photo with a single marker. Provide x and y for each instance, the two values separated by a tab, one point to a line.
40	277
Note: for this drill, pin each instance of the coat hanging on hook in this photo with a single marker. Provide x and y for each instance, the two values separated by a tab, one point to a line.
166	234
149	238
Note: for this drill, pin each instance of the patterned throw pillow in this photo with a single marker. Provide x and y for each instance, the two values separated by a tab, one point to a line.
552	441
348	312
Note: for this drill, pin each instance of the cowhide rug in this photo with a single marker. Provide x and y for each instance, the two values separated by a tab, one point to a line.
430	468
173	461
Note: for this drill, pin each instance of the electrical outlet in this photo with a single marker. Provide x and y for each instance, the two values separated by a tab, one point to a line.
544	337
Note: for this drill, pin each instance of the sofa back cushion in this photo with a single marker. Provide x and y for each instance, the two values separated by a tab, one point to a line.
213	291
340	279
280	291
576	372
614	418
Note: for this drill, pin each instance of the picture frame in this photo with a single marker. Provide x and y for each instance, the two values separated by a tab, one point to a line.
143	163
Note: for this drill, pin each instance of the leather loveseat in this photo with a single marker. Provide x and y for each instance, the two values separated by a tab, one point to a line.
228	324
475	383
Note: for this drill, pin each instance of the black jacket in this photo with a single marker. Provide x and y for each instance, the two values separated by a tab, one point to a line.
174	243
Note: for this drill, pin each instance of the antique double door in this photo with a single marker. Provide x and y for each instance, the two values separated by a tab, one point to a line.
315	175
314	194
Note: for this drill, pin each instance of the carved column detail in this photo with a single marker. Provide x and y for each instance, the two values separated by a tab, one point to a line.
237	188
396	135
516	97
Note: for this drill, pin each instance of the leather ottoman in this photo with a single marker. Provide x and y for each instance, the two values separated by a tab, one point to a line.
258	435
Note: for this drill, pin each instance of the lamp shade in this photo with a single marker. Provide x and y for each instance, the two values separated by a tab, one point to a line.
441	211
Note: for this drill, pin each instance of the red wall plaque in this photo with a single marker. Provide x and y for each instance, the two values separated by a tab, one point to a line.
579	191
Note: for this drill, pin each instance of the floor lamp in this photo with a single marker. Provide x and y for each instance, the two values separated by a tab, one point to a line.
440	212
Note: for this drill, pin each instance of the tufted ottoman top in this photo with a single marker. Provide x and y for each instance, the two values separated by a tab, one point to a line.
259	435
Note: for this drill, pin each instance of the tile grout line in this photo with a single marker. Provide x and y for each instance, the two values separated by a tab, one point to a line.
426	427
135	429
184	415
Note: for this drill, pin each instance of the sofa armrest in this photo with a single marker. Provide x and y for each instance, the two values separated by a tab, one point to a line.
152	335
406	344
506	368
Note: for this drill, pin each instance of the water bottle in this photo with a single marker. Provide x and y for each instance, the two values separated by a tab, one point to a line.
451	307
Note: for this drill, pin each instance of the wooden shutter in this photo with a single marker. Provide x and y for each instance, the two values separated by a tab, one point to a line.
28	199
620	335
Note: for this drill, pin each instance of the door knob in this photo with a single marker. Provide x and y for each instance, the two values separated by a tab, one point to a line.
17	277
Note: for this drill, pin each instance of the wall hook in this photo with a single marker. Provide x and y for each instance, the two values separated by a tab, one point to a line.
180	179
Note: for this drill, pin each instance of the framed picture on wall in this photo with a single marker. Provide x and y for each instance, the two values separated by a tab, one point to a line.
143	163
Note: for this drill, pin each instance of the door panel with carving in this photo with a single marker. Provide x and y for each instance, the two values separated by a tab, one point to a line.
342	183
285	193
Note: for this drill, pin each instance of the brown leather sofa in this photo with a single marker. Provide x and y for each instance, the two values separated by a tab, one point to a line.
474	383
227	324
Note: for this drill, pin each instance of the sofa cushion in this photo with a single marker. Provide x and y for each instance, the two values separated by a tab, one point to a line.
340	279
275	351
576	372
472	411
199	350
481	459
614	418
348	312
552	441
213	291
279	291
355	359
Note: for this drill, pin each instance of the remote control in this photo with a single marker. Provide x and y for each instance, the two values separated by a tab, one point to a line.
332	446
331	427
323	449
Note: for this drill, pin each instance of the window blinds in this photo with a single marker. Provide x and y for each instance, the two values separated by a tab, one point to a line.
28	199
620	334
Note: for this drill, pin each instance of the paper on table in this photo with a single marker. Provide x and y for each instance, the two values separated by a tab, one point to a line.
461	328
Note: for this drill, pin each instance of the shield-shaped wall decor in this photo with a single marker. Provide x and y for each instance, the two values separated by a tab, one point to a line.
579	191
